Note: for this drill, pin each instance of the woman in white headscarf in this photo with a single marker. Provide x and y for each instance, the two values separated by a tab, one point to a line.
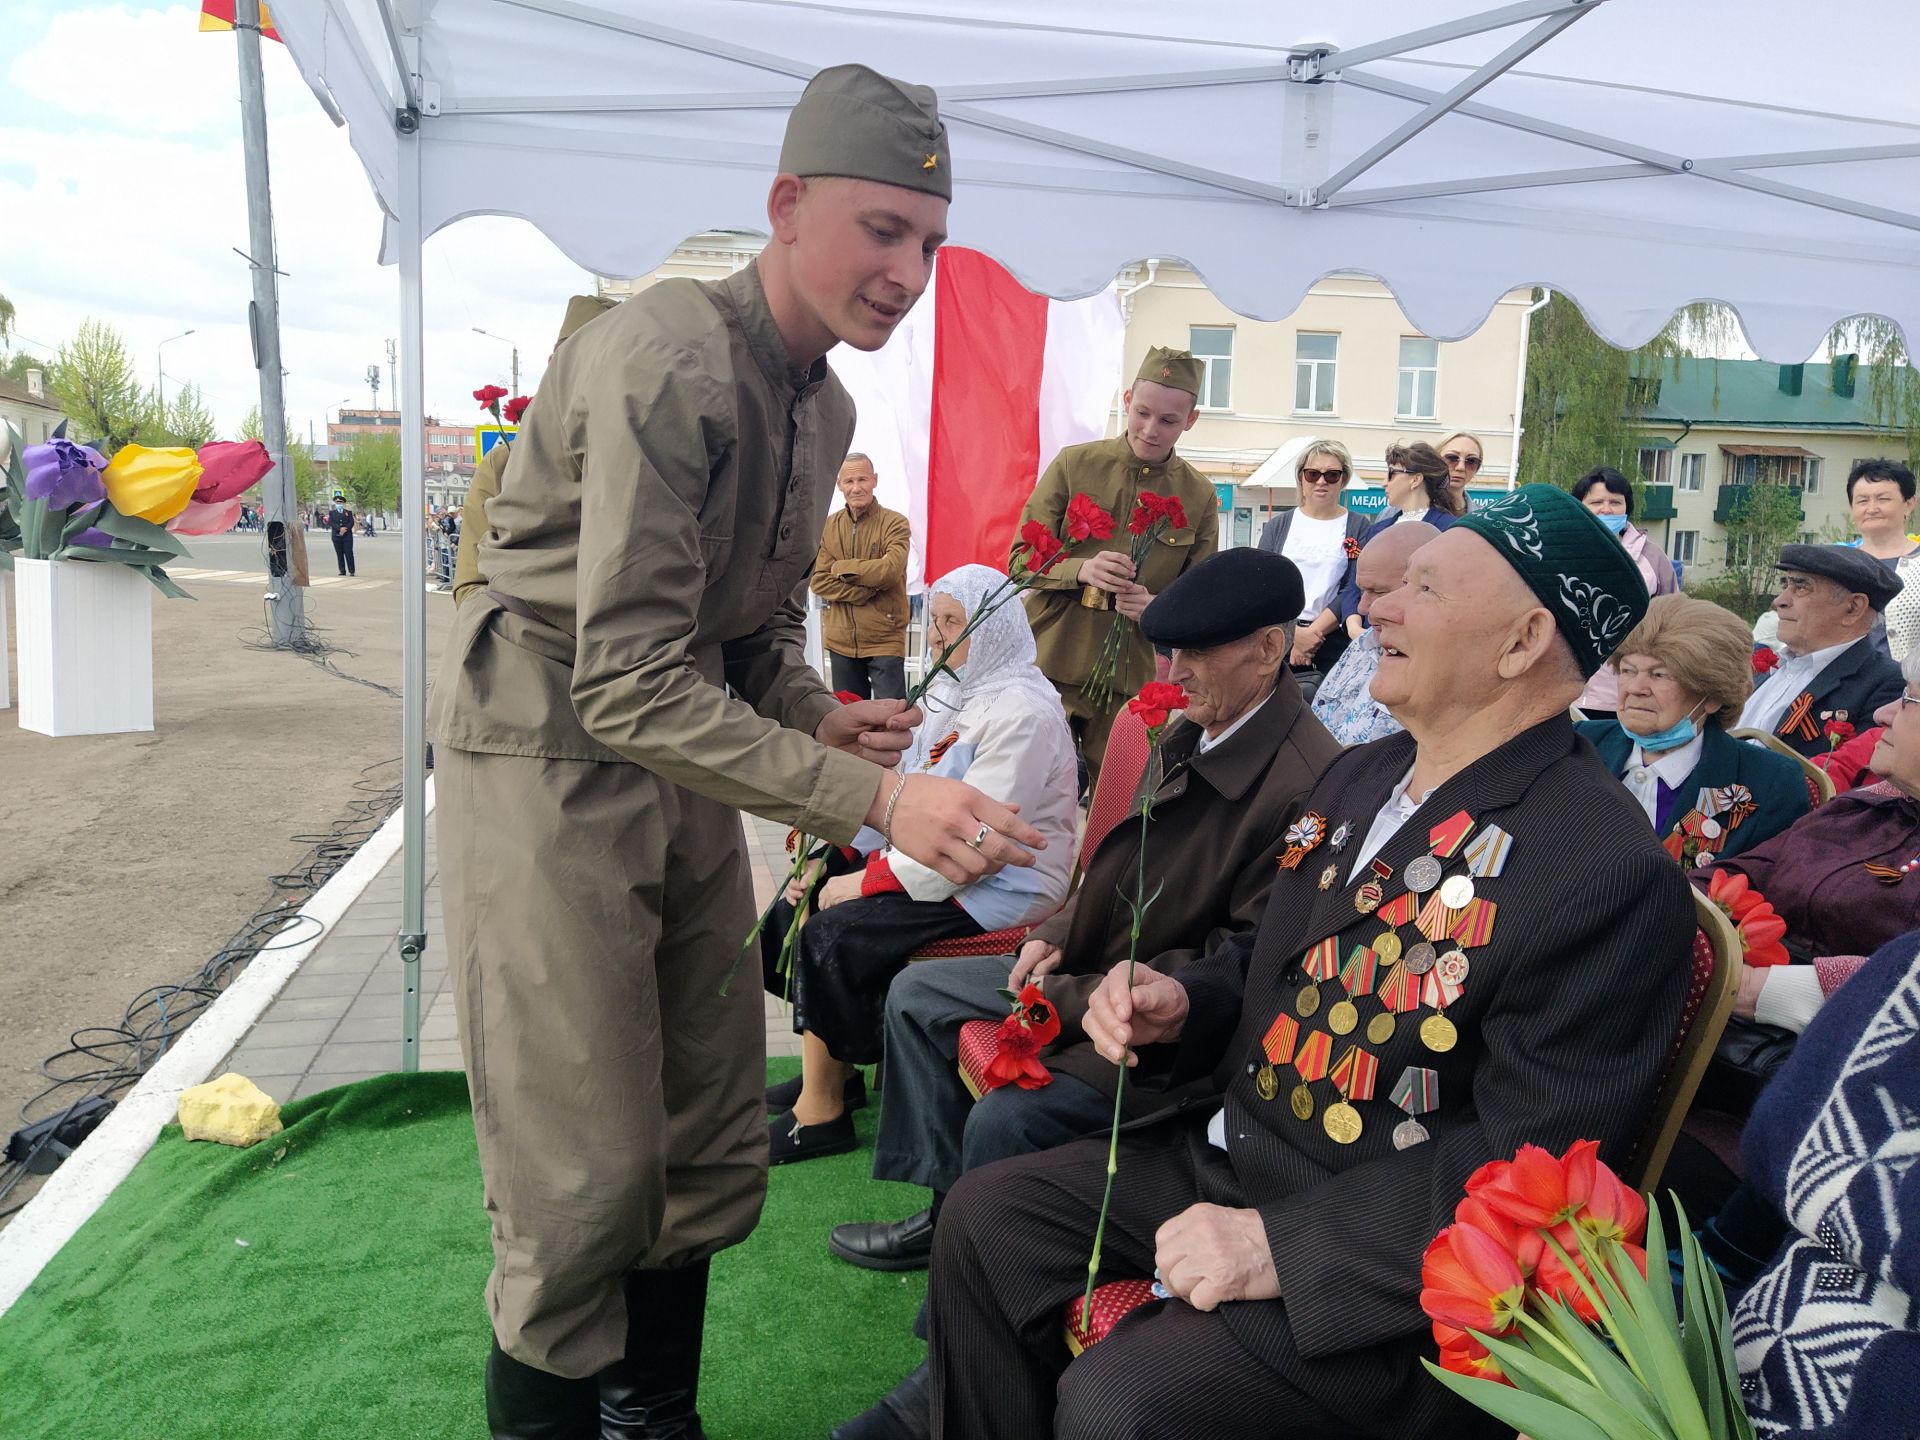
999	724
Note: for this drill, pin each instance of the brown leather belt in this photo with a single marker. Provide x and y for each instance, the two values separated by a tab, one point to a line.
514	605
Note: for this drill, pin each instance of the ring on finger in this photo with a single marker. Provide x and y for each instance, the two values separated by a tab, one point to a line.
980	836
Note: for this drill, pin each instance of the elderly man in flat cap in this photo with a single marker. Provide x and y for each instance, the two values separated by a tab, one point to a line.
1474	942
1231	775
1828	665
630	680
1072	607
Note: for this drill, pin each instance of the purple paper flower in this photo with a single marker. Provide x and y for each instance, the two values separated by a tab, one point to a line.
64	474
92	535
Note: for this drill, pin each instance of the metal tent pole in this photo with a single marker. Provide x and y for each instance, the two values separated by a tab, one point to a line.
413	587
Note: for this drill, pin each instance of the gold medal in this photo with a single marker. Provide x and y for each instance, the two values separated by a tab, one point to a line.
1342	1018
1369	897
1302	1100
1342	1123
1439	1034
1307	1002
1328	876
1387	947
1380	1028
1266	1081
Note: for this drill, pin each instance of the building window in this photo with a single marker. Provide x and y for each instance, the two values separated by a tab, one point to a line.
1419	375
1685	544
1810	475
1693	469
1212	346
1656	465
1314	358
1739	551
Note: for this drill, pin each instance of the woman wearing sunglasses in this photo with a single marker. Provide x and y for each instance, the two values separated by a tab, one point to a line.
1317	537
1464	455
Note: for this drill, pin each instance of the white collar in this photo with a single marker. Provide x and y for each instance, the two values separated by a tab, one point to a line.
1817	659
1207	742
1672	767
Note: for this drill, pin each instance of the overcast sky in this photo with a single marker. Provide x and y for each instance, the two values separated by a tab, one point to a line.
123	197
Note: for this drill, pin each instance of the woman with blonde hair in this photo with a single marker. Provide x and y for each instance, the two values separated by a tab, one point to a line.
1684	672
1464	455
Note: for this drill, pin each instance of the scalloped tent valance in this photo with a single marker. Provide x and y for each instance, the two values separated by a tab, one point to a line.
1635	154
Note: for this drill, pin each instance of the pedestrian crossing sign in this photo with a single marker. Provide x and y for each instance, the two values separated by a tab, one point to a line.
485	437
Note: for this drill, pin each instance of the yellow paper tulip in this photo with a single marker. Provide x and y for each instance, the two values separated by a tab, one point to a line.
152	484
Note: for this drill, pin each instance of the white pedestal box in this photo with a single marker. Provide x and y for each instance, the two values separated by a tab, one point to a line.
85	635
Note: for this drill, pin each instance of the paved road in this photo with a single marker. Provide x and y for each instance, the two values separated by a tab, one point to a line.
241	559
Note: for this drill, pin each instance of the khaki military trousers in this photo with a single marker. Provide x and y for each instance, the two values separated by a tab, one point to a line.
593	912
1090	724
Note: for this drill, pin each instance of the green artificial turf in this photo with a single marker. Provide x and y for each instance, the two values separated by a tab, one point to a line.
354	1308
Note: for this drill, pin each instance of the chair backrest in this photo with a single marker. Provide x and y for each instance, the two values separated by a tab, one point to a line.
1820	786
1121	771
1712	986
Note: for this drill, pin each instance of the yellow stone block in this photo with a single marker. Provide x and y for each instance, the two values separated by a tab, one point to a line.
232	1110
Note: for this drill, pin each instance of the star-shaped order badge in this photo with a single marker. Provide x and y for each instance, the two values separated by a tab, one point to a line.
1304	835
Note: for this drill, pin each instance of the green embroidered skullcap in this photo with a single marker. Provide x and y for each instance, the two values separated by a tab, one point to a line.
1572	563
855	122
1166	366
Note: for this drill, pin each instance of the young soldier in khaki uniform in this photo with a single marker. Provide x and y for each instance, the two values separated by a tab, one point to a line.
862	576
1072	607
467	578
648	553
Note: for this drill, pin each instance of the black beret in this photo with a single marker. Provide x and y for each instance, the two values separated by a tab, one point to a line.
1848	566
1225	597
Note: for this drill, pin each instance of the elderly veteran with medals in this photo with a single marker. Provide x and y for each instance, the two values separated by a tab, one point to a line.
1072	606
1488	948
1232	774
1680	675
631	678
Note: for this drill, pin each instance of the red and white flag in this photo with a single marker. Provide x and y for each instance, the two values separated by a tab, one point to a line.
980	387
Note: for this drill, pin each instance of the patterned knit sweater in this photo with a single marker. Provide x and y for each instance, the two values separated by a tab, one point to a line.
1828	1338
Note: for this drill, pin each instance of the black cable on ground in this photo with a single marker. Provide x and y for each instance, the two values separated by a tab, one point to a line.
105	1061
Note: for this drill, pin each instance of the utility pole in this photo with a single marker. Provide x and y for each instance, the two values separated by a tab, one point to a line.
393	358
373	383
286	606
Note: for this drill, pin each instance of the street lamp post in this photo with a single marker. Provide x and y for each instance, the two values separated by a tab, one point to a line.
516	354
160	365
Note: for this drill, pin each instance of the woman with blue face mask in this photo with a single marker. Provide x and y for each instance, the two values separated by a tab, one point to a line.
1682	674
1608	494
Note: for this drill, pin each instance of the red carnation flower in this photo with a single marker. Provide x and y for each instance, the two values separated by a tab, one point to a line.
1016	1058
1838	732
516	407
1176	513
1765	662
1041	546
488	394
1156	701
1086	520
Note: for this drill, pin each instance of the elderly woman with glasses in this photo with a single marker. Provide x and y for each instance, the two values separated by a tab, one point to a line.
1608	494
1318	537
1683	674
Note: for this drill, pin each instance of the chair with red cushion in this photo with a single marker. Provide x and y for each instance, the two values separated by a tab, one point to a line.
1112	1302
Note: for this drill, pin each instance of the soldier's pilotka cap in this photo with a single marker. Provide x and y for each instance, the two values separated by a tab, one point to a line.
1576	569
581	309
1848	566
1165	366
857	123
1227	596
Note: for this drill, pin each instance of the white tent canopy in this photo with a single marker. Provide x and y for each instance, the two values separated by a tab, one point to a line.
1636	155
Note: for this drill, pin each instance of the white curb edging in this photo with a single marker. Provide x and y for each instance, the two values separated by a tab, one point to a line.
83	1183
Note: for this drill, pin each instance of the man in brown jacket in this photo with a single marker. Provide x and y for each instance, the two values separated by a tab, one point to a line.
1229	779
630	680
1073	605
862	575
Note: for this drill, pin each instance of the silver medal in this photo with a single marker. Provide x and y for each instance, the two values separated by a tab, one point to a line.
1408	1133
1422	874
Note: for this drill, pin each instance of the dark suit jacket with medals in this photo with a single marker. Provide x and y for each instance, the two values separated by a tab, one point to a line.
1216	832
1564	1025
1856	682
1777	785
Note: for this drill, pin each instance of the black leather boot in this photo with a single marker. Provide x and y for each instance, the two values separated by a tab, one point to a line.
528	1404
650	1395
904	1413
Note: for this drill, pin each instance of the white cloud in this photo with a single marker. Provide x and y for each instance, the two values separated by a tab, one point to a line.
126	200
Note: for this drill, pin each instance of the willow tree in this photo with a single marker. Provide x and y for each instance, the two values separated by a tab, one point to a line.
1893	390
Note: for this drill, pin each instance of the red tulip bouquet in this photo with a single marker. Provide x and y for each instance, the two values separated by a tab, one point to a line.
1547	1319
1153	516
1155	706
1040	549
1032	1025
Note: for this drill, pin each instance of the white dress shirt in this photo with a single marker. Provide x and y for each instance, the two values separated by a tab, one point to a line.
1207	742
1796	673
1645	774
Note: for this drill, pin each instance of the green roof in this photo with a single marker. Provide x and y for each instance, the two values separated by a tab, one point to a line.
1749	392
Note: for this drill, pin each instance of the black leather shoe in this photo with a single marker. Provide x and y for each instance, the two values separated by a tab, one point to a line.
786	1094
890	1245
788	1140
651	1394
528	1404
906	1413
